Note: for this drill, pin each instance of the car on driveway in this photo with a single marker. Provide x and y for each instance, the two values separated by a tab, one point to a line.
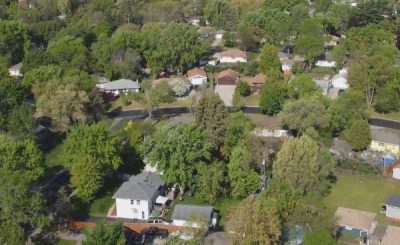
159	221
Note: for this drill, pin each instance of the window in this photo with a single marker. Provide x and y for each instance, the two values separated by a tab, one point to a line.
131	202
137	202
142	214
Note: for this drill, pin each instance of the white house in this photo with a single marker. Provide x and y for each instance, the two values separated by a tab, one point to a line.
325	85
219	34
232	56
136	197
15	70
396	173
197	76
339	81
326	60
119	86
391	207
190	215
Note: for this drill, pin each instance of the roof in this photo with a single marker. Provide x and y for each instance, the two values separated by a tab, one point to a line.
140	187
355	218
283	56
184	211
392	235
121	84
233	53
228	73
196	72
393	201
16	67
257	79
341	146
386	135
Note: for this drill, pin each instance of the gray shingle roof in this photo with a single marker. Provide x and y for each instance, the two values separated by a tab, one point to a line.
121	84
393	201
386	135
184	211
140	187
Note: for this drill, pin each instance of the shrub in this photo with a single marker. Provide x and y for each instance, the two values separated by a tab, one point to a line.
243	88
358	167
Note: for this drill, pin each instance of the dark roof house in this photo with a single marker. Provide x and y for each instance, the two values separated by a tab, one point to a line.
228	77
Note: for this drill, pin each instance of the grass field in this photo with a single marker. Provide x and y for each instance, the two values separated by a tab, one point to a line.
364	193
252	100
100	206
392	116
52	158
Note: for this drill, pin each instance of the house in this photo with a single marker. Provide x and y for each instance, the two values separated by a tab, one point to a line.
255	82
117	87
219	34
192	215
136	197
195	20
331	40
15	70
197	76
232	56
385	140
391	207
341	148
326	60
355	223
228	77
391	235
339	81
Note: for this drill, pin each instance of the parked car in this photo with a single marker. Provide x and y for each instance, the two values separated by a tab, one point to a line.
159	221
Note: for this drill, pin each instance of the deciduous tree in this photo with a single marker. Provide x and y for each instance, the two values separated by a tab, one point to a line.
273	96
269	59
358	135
211	181
104	232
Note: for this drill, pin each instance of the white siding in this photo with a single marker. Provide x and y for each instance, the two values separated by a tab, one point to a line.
324	63
393	212
178	222
132	211
198	80
396	173
232	60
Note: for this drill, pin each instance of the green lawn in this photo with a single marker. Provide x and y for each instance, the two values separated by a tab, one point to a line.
364	193
252	100
66	242
52	158
392	116
100	206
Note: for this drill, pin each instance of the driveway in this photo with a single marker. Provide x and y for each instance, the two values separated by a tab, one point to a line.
226	93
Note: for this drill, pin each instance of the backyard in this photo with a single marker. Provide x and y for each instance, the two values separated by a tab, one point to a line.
363	193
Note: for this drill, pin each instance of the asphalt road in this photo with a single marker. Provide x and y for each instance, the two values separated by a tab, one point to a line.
140	114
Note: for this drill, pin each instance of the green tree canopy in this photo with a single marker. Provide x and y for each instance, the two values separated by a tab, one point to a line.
269	59
211	181
310	40
69	52
303	86
238	126
273	96
358	134
221	14
177	150
107	233
88	151
13	41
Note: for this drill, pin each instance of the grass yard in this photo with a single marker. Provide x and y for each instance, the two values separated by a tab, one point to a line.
100	206
52	158
252	100
391	116
134	105
66	242
364	193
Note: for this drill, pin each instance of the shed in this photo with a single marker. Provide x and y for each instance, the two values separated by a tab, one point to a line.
391	207
183	213
396	173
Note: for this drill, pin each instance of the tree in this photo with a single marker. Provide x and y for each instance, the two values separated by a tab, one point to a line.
179	87
130	9
21	167
242	177
371	12
358	135
21	121
211	115
238	126
319	237
221	14
338	16
249	225
303	114
107	233
300	161
87	152
247	39
273	96
14	41
387	100
310	41
177	150
367	74
350	106
65	105
126	63
211	183
69	52
243	88
153	96
269	59
303	86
